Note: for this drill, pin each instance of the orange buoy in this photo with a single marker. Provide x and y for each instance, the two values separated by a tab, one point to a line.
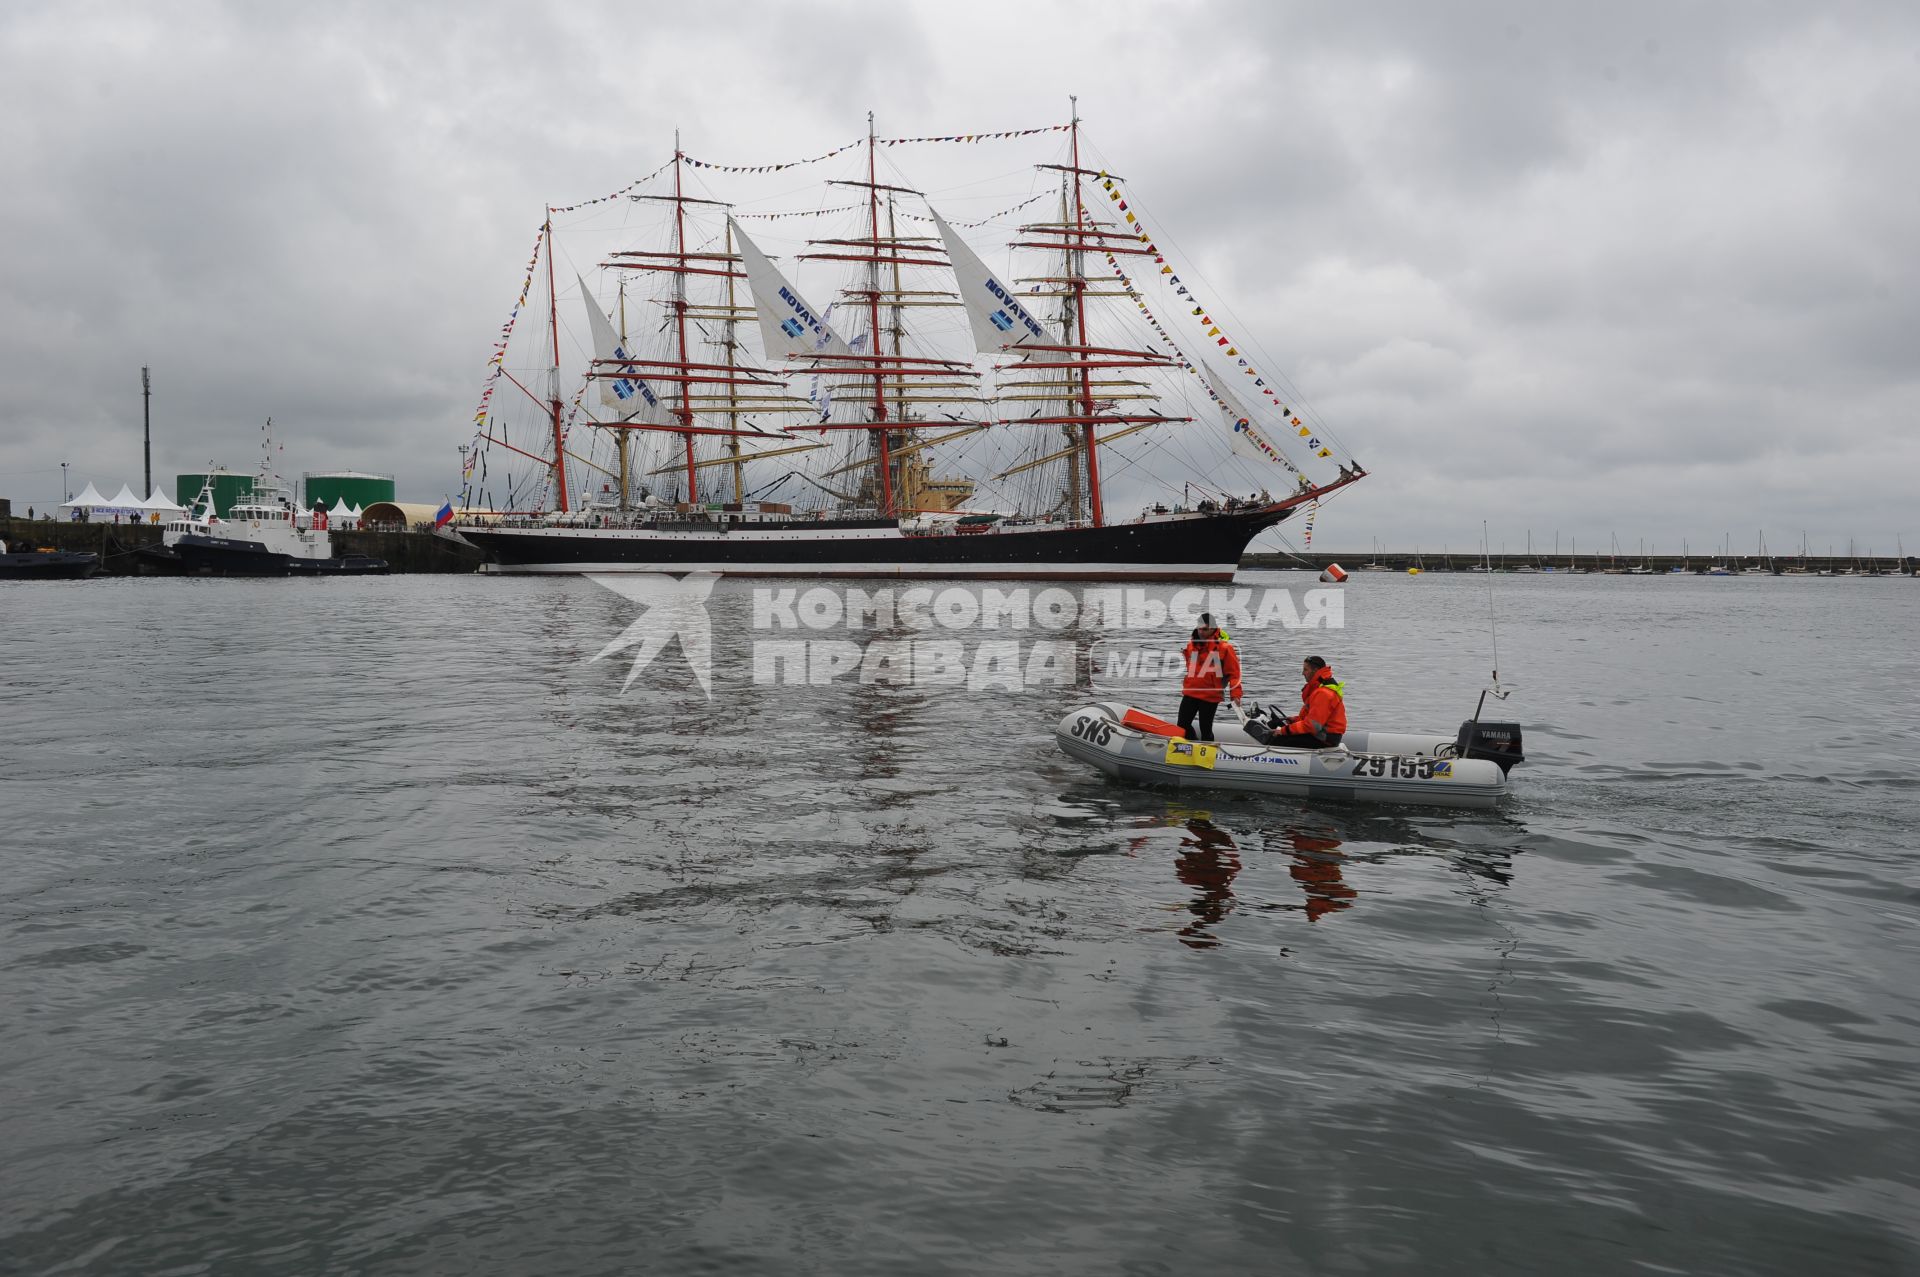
1334	574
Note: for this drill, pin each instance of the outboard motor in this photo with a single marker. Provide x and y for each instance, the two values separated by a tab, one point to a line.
1496	742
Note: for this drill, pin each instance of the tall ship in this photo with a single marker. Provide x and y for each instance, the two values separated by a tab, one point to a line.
1062	416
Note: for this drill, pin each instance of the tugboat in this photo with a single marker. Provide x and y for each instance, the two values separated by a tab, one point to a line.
262	534
46	565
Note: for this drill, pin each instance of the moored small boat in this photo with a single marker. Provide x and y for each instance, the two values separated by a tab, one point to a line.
46	565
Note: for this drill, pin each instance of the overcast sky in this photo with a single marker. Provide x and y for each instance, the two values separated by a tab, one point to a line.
1647	269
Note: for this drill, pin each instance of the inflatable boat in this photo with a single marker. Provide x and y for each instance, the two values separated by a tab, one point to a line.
1467	769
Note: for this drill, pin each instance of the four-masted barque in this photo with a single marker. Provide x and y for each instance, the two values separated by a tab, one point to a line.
681	434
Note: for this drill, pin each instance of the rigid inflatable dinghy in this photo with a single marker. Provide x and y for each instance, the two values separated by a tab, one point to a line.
1468	769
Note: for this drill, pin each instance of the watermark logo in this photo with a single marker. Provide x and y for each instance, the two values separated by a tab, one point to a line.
1128	664
984	638
675	609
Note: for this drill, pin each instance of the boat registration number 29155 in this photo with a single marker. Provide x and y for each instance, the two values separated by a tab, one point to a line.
1398	768
1094	731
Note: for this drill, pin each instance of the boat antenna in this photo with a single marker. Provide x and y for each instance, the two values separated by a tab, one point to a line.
1493	628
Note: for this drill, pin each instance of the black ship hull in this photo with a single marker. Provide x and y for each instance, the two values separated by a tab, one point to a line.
219	556
1201	547
51	565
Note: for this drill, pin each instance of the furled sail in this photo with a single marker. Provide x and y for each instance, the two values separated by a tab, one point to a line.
633	397
792	329
998	320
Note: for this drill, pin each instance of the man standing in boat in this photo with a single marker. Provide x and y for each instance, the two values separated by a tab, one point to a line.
1322	719
1213	675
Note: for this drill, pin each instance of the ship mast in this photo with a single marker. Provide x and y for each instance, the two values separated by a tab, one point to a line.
877	367
1071	318
694	381
1074	234
553	376
620	437
729	333
873	306
910	495
679	304
1076	272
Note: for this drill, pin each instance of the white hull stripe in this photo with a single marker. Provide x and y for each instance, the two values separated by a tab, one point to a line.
934	571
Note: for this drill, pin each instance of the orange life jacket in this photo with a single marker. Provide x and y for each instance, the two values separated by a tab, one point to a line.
1213	669
1323	707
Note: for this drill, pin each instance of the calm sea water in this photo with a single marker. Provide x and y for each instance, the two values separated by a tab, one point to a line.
367	926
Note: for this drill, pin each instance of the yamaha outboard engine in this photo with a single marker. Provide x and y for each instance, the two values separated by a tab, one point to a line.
1496	742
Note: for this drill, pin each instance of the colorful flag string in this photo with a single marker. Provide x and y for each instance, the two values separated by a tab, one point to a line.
1206	320
974	137
798	212
916	217
638	181
879	141
1241	425
991	217
497	360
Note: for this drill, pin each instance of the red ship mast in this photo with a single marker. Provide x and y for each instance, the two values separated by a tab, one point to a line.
553	383
683	372
874	368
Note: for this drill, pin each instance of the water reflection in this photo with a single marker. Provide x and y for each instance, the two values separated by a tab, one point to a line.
1209	861
1316	867
1321	862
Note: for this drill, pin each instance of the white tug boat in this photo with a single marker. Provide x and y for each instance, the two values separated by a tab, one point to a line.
1467	769
262	534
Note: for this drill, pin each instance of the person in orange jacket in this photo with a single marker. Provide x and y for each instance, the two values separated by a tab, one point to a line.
1322	719
1213	675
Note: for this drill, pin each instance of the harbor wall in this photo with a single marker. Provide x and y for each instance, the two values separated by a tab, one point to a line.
116	543
1660	563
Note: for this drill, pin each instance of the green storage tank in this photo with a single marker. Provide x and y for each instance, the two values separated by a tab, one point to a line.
344	485
228	487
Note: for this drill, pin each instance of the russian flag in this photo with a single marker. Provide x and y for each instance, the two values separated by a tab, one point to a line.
444	514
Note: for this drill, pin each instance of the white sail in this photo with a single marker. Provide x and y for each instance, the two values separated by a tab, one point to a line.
998	320
790	327
1247	439
632	396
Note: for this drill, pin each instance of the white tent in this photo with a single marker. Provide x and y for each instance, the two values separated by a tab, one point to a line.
86	500
158	501
123	501
340	516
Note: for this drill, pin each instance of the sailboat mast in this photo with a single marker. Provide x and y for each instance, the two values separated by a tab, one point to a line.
683	411
553	382
873	307
1076	271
